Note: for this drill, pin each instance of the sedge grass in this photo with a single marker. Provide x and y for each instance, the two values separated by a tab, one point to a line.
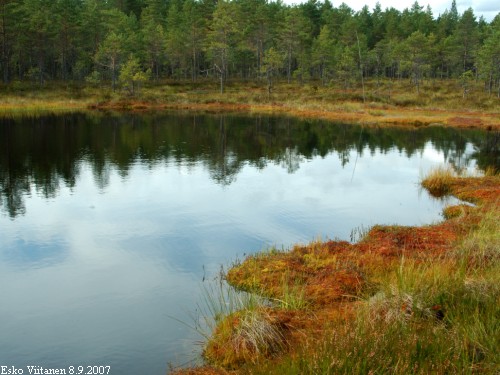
481	248
246	336
237	325
220	300
293	295
438	181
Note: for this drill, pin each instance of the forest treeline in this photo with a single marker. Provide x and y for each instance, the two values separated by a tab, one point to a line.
129	41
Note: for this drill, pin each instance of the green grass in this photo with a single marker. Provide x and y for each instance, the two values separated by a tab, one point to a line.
293	296
481	248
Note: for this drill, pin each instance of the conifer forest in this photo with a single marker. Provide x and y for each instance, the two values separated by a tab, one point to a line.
99	42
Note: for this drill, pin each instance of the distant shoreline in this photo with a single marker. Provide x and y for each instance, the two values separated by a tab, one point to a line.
385	104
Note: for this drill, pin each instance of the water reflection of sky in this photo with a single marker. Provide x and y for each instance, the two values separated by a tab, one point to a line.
93	275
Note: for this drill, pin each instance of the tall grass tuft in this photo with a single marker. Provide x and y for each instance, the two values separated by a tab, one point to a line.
220	300
244	337
438	181
238	326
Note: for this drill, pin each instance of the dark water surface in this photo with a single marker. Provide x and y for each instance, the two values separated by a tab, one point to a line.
108	224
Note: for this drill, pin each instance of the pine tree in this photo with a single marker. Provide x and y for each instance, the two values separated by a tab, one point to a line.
37	37
175	41
66	14
466	39
416	57
489	60
132	75
272	61
222	38
323	53
110	55
195	26
295	32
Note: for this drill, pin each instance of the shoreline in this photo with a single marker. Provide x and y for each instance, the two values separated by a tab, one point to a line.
402	108
328	287
337	287
413	117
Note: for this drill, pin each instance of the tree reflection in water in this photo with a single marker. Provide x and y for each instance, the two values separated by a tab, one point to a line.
41	153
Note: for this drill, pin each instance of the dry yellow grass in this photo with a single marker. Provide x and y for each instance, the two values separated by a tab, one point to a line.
438	181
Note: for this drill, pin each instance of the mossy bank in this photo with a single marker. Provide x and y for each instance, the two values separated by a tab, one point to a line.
400	300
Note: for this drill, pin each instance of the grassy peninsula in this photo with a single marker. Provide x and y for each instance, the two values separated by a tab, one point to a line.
400	300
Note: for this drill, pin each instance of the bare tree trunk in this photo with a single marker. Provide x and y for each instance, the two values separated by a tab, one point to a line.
490	83
289	73
193	73
5	58
361	68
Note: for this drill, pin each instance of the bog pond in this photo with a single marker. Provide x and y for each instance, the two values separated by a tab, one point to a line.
110	224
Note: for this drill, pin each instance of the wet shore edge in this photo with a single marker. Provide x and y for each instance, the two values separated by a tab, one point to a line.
335	299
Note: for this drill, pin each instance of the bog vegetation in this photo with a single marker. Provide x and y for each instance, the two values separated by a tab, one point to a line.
400	300
123	43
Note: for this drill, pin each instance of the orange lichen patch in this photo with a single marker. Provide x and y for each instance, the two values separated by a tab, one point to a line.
337	270
332	285
324	249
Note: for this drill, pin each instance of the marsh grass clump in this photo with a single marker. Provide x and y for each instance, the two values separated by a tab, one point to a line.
238	326
439	180
451	212
220	300
245	336
491	171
